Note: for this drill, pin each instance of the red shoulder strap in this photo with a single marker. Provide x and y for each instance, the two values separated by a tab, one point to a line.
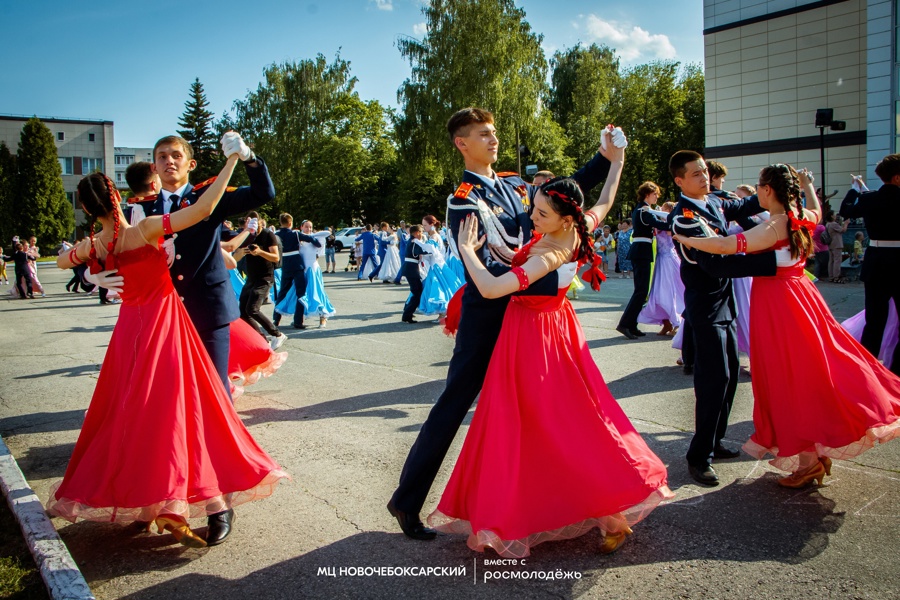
462	192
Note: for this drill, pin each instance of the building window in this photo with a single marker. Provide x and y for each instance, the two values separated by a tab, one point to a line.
90	137
124	159
65	163
60	136
118	178
90	165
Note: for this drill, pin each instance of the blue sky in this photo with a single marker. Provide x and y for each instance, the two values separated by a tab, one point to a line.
133	62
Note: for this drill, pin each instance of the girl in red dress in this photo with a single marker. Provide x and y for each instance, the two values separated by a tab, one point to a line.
161	440
549	454
818	394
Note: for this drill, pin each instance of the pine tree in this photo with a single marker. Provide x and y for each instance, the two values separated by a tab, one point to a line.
197	128
42	209
7	184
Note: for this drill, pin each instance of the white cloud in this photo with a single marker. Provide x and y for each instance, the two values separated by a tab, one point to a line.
420	28
384	4
629	44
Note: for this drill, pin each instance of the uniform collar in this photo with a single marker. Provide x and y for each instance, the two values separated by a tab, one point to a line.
180	191
491	183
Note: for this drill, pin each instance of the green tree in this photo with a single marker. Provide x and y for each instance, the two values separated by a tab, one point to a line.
8	209
197	128
42	207
583	81
473	54
326	149
659	106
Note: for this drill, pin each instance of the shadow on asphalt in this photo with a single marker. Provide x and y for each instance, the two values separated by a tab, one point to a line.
650	380
75	371
379	405
774	524
66	420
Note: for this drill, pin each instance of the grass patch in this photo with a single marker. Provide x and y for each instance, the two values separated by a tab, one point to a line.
19	578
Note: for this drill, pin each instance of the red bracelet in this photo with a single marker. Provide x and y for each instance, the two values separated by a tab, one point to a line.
741	243
167	224
73	257
522	276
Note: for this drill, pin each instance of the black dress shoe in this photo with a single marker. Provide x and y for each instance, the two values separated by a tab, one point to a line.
722	451
301	326
410	321
626	332
704	475
411	525
638	332
219	527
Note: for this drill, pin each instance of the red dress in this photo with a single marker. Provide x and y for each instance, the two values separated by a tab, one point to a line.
249	357
815	388
549	454
160	434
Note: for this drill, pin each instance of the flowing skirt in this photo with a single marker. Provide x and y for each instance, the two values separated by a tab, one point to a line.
160	435
315	301
666	300
549	454
439	286
390	267
250	358
855	325
815	388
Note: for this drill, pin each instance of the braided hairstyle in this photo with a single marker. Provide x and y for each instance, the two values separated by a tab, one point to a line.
785	184
97	195
566	199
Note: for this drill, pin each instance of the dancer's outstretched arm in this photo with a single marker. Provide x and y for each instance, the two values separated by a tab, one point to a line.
616	157
152	227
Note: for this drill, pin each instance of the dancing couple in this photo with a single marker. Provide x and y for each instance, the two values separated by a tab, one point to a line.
165	448
549	453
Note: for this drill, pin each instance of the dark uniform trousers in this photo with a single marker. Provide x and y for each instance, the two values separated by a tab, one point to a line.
881	264
641	257
297	278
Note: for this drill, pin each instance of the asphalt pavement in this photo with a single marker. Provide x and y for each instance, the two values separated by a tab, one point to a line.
340	417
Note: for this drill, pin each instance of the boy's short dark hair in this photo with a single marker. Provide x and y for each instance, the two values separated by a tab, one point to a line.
414	229
138	176
888	167
285	219
175	139
679	161
458	124
716	169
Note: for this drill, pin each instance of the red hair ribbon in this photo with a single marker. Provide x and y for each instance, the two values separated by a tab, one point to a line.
564	198
797	224
594	276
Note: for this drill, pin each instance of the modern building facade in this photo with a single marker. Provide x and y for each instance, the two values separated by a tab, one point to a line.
126	156
770	64
82	145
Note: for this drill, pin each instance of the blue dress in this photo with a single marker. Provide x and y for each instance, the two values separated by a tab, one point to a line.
440	283
315	301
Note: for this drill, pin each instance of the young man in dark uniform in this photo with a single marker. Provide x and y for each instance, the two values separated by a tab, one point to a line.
198	271
644	220
410	269
293	269
882	263
500	201
709	309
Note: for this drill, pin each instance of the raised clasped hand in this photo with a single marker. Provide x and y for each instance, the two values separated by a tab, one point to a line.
233	143
468	234
805	176
613	143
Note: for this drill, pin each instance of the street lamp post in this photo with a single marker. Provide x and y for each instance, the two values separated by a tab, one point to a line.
825	118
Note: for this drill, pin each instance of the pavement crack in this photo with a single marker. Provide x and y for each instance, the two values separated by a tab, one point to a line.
337	512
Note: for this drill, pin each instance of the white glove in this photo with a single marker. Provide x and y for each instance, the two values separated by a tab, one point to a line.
615	134
252	225
858	184
232	143
169	246
106	279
